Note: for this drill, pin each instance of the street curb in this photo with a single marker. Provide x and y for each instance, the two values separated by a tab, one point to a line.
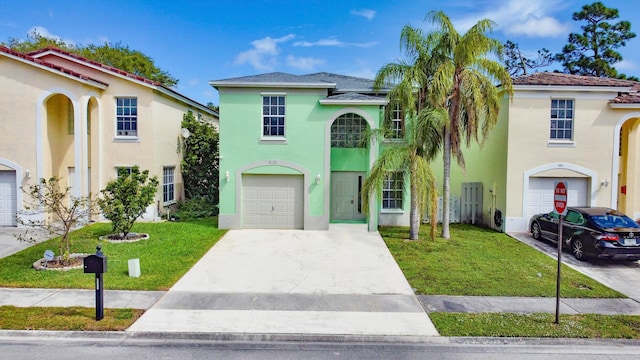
267	340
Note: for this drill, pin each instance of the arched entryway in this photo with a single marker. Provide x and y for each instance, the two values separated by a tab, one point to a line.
59	144
627	159
349	167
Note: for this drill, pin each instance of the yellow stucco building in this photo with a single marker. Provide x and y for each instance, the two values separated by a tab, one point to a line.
66	116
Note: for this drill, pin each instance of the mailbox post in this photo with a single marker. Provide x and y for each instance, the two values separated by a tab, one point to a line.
97	264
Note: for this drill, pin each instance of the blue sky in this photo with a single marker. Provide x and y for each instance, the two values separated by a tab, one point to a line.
199	41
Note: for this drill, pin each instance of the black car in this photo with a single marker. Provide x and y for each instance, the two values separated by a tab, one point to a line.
591	232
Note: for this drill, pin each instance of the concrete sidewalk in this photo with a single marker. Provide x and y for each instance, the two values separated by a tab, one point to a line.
508	304
116	299
430	303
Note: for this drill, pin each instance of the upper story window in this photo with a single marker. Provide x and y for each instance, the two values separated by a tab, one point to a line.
392	191
348	131
123	170
273	116
168	185
127	116
397	123
561	119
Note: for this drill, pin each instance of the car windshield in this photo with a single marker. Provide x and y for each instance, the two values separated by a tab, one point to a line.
614	221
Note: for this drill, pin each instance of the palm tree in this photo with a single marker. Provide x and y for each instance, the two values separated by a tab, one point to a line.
464	82
420	144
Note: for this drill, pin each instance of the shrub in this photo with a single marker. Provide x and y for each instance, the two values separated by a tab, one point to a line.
193	208
125	199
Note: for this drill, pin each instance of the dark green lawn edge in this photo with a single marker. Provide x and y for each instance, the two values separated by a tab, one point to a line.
66	318
540	325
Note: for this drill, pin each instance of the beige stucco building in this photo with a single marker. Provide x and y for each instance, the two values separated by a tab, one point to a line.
67	116
558	127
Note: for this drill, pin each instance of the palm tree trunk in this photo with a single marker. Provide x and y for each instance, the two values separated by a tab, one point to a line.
414	212
446	154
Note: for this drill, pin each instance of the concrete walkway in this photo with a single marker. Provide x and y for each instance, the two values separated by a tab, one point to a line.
430	303
116	299
336	282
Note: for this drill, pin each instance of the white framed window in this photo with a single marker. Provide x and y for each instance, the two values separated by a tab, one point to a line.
397	123
348	131
123	170
168	184
393	191
273	115
126	116
561	119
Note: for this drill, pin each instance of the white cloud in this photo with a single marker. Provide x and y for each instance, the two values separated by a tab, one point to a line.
264	54
304	63
625	65
365	13
334	42
532	18
363	73
44	32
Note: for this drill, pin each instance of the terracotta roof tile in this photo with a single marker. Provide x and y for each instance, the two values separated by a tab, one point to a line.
30	56
95	63
62	69
560	79
627	98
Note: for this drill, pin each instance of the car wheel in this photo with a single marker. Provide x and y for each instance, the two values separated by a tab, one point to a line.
577	248
535	230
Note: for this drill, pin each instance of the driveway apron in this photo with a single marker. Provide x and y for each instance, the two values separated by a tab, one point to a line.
335	282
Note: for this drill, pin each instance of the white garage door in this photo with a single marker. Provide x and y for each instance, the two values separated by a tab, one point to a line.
541	193
7	198
272	202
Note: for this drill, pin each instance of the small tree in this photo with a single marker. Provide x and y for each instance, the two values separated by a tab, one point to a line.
61	213
593	52
125	199
200	160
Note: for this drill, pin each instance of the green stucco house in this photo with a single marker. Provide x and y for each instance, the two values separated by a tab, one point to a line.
293	153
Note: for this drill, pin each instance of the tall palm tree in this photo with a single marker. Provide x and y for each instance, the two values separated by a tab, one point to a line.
420	144
465	83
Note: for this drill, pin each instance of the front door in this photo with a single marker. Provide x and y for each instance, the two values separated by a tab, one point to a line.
346	199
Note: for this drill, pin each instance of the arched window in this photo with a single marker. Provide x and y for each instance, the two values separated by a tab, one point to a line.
348	131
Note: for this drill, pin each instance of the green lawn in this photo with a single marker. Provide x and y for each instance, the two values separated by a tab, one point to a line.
590	326
171	250
66	318
478	261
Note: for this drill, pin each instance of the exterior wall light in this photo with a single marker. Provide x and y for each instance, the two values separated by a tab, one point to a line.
318	179
227	176
27	174
605	183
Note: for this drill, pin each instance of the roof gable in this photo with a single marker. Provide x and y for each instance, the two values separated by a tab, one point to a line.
51	67
560	79
322	80
41	54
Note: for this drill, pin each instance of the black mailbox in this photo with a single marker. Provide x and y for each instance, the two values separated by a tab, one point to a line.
95	264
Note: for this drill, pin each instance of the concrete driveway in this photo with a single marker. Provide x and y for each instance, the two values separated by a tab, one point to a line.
10	245
622	276
336	282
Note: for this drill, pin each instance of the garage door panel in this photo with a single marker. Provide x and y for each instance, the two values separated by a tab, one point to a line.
540	197
278	203
8	205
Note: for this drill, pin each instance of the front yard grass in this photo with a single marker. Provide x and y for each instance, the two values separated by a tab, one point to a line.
477	261
66	318
171	250
591	326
